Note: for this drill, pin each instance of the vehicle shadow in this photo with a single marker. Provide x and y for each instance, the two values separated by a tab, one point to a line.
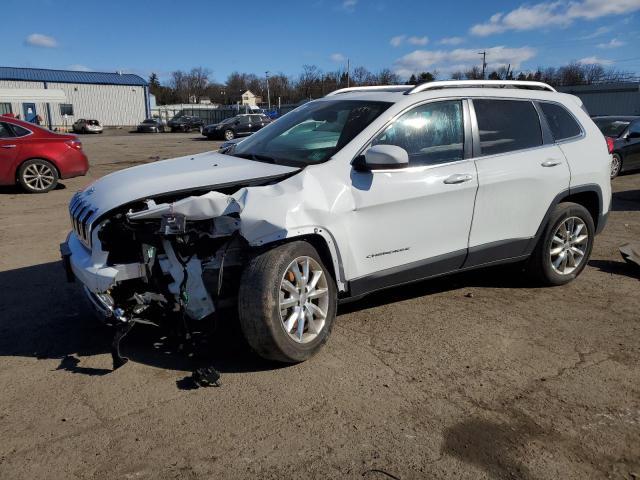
17	190
626	201
44	317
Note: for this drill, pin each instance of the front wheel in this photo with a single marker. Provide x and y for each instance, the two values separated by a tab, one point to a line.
565	245
229	135
287	303
37	176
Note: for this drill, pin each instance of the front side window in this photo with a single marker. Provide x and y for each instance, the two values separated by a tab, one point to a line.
561	123
507	125
66	109
244	120
5	131
431	133
311	133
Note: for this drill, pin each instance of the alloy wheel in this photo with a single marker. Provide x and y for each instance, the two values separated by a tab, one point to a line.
568	245
303	299
38	176
616	163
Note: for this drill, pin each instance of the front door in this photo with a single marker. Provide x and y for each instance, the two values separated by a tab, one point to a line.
414	222
29	110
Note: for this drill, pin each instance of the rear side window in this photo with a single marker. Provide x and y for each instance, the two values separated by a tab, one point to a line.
431	133
19	131
507	125
560	121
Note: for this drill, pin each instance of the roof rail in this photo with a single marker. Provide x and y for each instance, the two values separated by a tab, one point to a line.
372	88
480	83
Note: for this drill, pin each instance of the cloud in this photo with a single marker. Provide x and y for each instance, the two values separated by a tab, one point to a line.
40	40
595	61
349	5
397	40
598	33
412	40
613	43
337	57
422	41
460	59
451	41
552	14
76	67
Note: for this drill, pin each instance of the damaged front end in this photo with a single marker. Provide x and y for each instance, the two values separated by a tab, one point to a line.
164	261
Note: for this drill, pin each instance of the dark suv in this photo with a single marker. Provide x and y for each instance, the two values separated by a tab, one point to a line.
623	139
185	123
237	126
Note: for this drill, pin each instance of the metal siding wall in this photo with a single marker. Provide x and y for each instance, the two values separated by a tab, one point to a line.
618	103
112	105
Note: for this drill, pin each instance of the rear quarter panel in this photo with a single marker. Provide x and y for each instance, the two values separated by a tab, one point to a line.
587	156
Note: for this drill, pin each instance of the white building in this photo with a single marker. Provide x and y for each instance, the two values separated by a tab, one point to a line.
60	97
251	99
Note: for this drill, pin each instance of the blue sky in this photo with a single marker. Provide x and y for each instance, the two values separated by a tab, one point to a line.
280	36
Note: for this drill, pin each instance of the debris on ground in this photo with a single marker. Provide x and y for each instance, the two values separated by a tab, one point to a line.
631	253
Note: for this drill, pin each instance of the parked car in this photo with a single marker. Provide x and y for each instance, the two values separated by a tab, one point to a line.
623	138
185	123
364	189
37	158
151	125
87	126
240	125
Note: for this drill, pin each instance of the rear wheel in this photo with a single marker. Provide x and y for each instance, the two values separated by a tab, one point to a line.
565	245
287	303
37	176
616	165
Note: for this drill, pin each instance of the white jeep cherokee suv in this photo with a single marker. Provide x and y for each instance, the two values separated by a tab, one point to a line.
358	191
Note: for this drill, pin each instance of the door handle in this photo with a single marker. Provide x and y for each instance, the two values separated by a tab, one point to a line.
458	178
9	146
551	163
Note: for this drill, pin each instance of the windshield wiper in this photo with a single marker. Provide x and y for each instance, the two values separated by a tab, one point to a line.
257	157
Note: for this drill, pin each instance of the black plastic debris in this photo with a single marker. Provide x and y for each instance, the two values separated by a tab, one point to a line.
206	377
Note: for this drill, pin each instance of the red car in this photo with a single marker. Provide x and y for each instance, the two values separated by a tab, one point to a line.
37	158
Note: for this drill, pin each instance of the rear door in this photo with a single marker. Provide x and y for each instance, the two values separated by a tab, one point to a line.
520	172
9	148
244	125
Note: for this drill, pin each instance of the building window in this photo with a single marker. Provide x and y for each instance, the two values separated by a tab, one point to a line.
5	108
66	109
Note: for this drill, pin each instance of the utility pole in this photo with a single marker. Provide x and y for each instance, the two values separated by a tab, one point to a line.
268	94
348	68
484	61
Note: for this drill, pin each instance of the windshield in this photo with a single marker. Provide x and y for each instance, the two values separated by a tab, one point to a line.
229	120
311	133
611	128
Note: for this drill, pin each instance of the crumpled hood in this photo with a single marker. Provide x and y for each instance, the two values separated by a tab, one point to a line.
168	176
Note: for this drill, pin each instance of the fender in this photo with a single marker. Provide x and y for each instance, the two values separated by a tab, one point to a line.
306	231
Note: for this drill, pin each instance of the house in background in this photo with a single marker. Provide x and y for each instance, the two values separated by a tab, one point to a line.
250	99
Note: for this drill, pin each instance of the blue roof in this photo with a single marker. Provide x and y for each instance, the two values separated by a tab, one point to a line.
69	76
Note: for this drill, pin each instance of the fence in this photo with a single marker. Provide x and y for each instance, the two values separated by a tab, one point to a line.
213	115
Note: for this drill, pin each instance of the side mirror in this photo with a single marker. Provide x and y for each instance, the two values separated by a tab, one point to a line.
385	157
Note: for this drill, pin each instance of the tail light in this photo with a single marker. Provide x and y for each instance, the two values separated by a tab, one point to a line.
609	144
77	144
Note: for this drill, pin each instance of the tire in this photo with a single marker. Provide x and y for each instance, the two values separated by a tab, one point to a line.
262	320
555	246
229	134
616	165
37	176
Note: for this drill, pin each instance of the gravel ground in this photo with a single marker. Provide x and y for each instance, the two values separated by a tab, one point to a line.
478	375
